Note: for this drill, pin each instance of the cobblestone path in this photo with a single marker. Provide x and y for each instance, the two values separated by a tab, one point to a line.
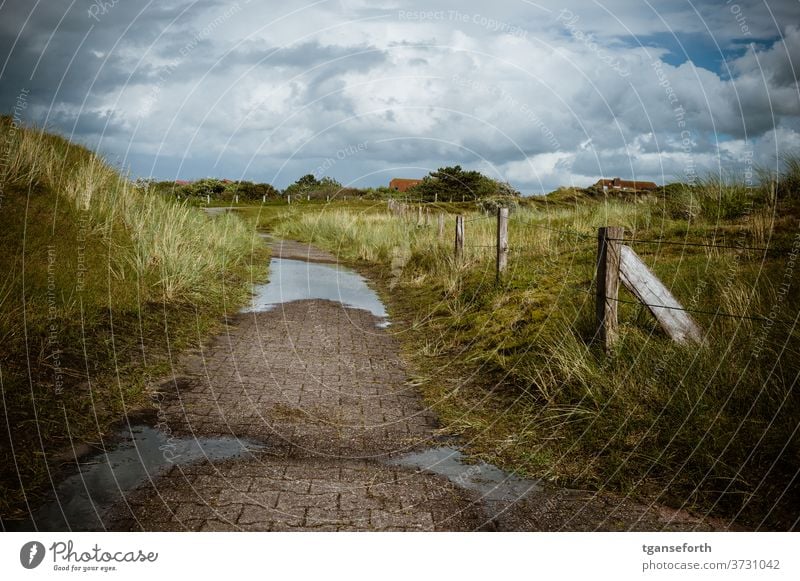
323	388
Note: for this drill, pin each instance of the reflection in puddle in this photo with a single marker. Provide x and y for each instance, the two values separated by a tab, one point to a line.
492	484
102	480
297	280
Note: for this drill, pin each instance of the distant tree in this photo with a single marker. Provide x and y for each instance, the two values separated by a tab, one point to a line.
454	184
208	187
309	185
253	191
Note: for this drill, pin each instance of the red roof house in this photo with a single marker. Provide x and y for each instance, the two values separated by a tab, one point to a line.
618	184
402	184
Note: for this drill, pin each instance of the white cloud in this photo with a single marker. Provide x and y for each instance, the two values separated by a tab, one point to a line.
511	87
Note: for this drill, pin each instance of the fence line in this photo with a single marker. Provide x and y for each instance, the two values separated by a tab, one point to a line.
610	271
698	244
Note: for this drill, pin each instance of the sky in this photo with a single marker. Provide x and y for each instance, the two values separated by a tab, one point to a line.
540	94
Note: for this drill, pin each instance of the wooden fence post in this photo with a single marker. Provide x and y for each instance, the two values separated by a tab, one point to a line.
289	199
608	257
502	240
441	225
459	237
419	215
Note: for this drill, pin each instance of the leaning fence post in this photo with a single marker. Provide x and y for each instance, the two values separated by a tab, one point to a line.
502	240
459	237
608	256
441	225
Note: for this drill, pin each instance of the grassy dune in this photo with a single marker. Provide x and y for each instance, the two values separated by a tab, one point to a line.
102	284
513	367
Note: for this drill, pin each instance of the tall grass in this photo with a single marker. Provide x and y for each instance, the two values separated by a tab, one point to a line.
513	365
178	246
101	286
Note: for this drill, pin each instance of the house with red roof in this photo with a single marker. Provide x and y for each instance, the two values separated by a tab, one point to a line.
403	184
619	184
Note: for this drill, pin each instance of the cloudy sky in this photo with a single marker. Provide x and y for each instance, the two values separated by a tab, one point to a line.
540	94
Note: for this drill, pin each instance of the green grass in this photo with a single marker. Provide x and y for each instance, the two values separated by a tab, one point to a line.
102	286
512	366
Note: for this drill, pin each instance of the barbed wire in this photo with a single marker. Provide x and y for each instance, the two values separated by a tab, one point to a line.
698	311
710	313
559	230
677	243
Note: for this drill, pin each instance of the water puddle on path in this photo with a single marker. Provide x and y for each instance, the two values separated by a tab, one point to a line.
494	486
85	498
297	280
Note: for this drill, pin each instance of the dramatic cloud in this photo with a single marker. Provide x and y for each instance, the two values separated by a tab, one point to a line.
539	93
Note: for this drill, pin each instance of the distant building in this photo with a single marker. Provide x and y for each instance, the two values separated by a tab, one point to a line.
402	184
618	184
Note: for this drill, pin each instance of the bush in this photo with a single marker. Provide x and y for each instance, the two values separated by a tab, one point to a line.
453	184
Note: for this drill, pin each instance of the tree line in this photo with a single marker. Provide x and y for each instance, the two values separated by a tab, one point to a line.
446	184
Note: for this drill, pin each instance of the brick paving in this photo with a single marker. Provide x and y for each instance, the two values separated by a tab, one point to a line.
324	389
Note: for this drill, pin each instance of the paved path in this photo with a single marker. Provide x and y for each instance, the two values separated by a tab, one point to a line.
323	388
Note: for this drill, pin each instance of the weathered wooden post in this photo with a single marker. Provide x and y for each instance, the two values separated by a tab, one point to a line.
459	237
608	257
263	199
436	198
502	240
308	197
236	199
208	199
289	199
441	225
419	215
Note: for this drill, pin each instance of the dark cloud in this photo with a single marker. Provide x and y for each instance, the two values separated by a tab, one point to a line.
256	91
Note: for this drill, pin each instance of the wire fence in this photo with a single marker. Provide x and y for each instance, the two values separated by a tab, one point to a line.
503	249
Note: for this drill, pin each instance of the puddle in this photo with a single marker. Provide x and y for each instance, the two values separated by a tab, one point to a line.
297	280
86	497
495	487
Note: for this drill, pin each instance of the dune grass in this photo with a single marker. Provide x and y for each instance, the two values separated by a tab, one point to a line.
512	366
102	285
